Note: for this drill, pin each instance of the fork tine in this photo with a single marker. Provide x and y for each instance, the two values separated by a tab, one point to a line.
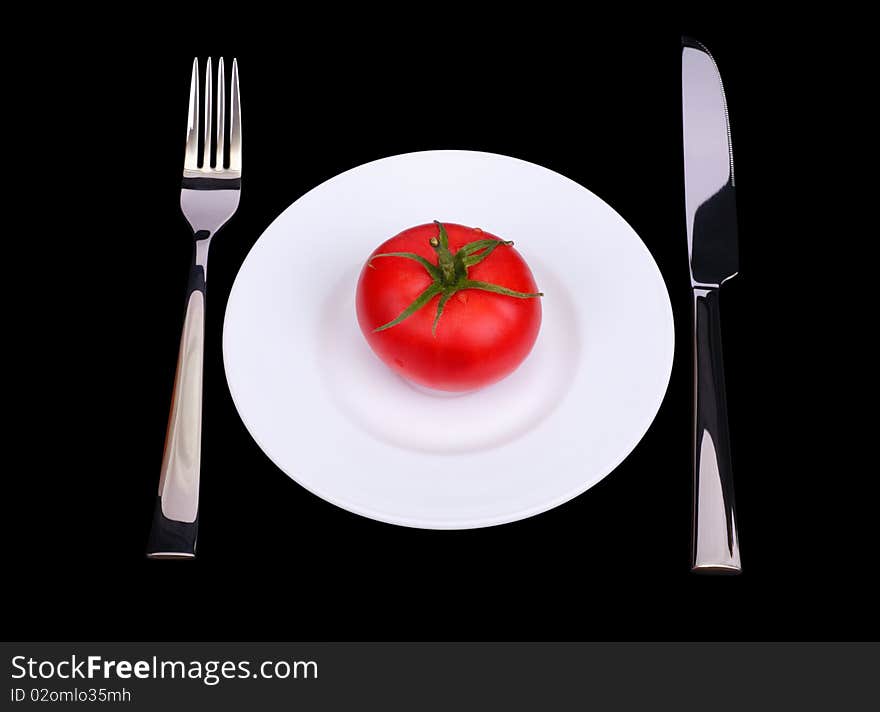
209	101
191	157
221	115
234	121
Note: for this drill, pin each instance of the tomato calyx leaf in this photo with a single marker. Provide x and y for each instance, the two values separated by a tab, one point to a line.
450	275
498	289
432	269
419	302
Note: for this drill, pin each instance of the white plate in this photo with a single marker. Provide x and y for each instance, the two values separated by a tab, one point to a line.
335	419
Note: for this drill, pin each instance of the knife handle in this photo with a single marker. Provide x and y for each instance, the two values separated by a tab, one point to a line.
176	516
715	542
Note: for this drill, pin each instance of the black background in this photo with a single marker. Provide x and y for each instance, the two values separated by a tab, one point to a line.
98	273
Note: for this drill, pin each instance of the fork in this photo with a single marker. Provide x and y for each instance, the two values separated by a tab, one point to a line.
208	198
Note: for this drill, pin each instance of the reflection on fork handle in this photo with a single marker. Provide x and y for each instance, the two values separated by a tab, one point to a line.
175	521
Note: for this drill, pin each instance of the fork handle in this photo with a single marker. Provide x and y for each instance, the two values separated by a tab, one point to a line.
176	516
715	542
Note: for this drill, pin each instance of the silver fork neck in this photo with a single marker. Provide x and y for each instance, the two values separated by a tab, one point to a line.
208	210
202	243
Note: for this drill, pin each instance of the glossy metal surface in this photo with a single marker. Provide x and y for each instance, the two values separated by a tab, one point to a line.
710	211
715	539
208	198
179	481
710	198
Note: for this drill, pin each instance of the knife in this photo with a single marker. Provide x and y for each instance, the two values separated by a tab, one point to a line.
710	212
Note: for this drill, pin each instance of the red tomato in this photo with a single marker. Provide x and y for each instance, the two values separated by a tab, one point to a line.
489	310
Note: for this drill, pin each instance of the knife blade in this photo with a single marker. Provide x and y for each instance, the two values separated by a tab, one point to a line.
710	214
710	198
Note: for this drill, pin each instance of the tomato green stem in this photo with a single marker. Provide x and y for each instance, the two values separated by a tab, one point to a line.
444	257
450	274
